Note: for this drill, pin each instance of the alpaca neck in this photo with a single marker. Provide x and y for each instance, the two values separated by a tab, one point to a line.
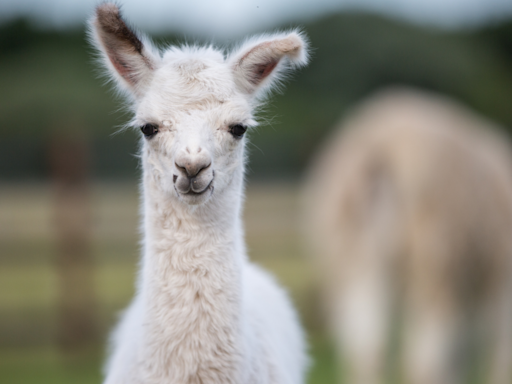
191	282
186	238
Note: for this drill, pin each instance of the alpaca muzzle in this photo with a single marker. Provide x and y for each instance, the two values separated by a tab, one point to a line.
193	179
194	185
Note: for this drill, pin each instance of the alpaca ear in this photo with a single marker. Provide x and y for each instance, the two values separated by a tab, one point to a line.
262	62
128	59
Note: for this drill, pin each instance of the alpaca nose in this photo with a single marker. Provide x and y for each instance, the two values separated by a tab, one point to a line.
192	168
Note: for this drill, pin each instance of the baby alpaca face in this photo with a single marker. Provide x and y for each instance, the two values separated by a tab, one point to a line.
192	104
193	121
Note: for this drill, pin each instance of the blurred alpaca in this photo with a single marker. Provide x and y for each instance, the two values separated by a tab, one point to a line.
410	208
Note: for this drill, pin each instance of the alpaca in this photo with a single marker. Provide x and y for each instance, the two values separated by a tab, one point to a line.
202	312
410	207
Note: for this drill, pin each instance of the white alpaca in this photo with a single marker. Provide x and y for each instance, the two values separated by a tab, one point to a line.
411	204
202	313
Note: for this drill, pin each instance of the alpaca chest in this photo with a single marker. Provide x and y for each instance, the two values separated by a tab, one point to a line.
191	328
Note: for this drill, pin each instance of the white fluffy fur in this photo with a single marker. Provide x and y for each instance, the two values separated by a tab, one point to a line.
202	312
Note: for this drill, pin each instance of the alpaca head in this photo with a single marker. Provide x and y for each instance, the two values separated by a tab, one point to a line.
192	104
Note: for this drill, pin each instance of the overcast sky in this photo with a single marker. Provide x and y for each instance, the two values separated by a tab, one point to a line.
221	18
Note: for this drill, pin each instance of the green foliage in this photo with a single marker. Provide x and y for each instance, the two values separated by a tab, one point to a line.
49	84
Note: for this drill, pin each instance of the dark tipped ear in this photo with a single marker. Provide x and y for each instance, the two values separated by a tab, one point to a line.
260	62
128	58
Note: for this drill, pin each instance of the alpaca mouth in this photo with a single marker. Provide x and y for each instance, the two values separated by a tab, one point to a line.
194	198
192	193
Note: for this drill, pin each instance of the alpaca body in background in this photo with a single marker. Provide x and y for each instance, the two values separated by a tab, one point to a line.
410	207
202	313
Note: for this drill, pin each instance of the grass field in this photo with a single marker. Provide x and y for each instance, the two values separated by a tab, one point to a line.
29	285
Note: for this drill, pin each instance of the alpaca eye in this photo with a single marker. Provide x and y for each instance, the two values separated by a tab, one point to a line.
237	130
149	130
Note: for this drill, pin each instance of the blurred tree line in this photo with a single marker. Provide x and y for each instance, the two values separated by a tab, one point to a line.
50	85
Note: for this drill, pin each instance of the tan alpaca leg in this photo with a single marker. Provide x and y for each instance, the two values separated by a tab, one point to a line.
429	343
501	353
362	329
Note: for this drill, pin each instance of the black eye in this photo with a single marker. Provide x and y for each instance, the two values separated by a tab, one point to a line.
237	130
149	129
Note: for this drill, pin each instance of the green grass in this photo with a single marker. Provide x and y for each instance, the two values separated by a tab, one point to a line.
48	366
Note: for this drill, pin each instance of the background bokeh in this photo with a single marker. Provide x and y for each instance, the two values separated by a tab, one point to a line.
52	98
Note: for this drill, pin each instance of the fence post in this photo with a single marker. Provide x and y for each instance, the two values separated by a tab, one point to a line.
69	164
